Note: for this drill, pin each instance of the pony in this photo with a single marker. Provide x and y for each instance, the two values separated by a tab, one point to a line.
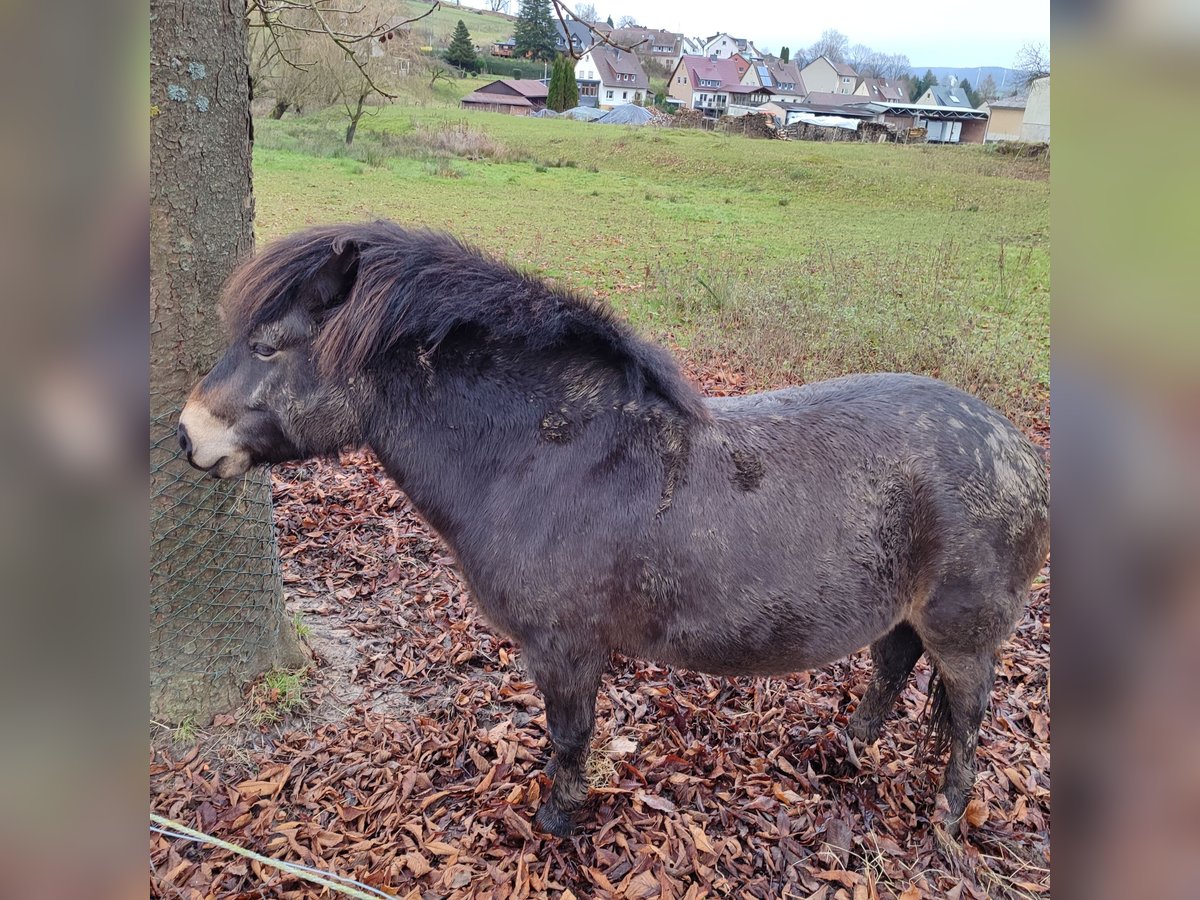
597	503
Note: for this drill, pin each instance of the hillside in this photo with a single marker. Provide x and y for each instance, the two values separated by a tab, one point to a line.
436	28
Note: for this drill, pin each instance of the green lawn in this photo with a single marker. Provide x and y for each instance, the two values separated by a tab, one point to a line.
798	260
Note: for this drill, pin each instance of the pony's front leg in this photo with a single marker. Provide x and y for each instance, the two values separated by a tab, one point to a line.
568	680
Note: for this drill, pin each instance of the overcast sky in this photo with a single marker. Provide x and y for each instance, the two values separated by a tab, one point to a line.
963	33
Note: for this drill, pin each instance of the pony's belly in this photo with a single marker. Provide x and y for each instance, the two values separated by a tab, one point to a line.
743	654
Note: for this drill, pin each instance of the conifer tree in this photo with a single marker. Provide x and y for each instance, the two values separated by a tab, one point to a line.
570	97
461	52
535	35
555	90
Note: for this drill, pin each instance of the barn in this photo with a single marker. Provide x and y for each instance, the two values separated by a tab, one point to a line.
515	96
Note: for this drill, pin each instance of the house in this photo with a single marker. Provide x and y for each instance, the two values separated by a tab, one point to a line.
724	45
829	77
783	78
747	98
518	97
581	35
885	89
1005	117
505	47
1036	124
945	95
693	46
608	77
701	82
650	44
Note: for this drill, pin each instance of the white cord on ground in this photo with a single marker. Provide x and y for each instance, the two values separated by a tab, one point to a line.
331	880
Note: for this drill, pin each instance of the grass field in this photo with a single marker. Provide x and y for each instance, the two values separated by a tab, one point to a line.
485	27
794	260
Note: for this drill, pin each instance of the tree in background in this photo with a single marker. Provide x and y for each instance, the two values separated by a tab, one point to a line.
587	12
563	92
535	34
570	97
554	90
896	67
972	94
832	43
785	54
922	84
500	6
627	22
609	20
987	89
461	52
1032	62
866	62
349	78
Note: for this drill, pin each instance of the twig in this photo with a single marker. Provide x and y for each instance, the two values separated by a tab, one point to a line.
598	36
344	39
340	883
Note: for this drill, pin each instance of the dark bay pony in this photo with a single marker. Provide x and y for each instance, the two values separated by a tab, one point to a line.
596	502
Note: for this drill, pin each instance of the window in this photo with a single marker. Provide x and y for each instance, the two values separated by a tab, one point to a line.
624	95
608	95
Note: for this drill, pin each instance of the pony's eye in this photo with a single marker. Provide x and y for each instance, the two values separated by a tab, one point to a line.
263	351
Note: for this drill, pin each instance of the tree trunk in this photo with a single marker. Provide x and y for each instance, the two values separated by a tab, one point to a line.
280	107
216	599
354	117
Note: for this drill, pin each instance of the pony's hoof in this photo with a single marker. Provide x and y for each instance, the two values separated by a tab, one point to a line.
553	820
863	729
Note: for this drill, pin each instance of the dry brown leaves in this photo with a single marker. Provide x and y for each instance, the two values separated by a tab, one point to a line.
418	769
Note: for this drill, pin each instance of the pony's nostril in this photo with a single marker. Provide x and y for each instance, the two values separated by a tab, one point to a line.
185	443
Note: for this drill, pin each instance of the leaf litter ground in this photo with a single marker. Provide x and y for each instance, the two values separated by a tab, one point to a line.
415	761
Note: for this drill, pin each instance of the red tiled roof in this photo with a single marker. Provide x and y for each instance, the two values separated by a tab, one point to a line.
702	68
527	87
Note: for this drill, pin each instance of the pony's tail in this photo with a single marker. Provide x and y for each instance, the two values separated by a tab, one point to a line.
937	706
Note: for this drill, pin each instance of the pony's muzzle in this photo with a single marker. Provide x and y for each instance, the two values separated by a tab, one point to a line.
209	444
185	443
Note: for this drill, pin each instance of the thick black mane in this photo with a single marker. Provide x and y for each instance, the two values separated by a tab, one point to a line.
417	286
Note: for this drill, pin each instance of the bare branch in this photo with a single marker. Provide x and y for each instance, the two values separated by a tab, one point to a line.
598	37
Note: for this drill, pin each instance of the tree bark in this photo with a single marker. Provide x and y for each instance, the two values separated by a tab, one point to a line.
354	117
216	598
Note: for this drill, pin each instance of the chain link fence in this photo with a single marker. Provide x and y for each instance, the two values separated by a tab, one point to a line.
217	616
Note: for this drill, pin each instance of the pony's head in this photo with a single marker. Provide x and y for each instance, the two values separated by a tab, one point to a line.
318	316
269	399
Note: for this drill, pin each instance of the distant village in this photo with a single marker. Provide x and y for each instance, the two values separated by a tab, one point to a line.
722	77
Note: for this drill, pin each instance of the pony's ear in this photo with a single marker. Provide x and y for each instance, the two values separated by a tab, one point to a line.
333	281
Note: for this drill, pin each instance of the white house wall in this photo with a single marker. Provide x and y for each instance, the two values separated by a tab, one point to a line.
1036	126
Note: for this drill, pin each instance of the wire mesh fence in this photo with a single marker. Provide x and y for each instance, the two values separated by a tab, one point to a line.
217	615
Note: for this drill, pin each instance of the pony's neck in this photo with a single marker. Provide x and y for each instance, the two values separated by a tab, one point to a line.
456	429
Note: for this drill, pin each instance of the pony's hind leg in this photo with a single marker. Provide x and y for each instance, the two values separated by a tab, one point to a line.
959	701
893	657
568	682
962	626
